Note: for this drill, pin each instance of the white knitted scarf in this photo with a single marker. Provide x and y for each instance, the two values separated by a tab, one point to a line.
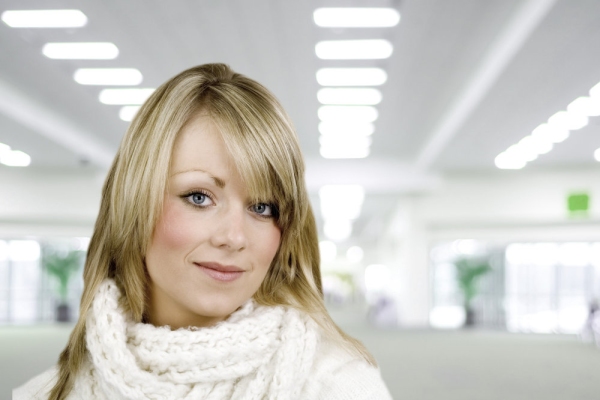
257	353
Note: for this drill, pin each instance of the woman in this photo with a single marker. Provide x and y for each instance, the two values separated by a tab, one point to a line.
202	278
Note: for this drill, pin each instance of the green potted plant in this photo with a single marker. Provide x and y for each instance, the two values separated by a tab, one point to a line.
469	271
62	266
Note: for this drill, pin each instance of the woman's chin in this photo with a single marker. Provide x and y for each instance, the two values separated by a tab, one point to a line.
216	312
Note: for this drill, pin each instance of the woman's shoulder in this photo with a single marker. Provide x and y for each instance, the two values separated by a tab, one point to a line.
38	387
339	374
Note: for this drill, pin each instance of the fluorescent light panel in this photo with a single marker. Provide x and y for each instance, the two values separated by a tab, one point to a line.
127	113
16	158
374	49
597	155
568	121
13	158
556	130
508	161
108	76
125	96
349	96
518	155
344	152
351	76
533	144
345	146
81	51
345	142
550	133
348	114
343	128
521	153
44	18
585	106
356	17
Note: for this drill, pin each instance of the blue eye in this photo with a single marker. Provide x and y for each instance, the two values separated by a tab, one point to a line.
262	209
198	199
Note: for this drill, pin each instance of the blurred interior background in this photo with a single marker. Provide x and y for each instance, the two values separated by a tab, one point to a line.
453	161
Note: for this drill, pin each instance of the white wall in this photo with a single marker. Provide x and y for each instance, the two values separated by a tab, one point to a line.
516	195
37	202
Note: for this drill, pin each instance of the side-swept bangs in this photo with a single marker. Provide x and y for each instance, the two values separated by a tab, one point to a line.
258	135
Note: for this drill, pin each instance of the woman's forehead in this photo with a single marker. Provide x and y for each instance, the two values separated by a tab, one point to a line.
198	145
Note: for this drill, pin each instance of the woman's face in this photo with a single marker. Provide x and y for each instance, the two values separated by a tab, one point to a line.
212	247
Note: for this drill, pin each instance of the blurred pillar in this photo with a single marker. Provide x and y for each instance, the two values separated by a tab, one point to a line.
405	248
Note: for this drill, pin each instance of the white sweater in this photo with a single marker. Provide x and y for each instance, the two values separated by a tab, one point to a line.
259	352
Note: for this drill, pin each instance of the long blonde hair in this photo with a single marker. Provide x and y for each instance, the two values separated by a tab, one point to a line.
259	135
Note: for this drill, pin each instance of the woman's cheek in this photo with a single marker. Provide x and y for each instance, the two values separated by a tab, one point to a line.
174	227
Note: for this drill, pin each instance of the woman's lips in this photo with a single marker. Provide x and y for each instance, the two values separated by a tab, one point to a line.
222	273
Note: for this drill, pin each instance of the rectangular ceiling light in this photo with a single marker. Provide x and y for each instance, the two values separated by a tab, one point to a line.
348	141
343	128
351	76
550	133
534	144
125	96
507	160
568	121
356	17
108	76
348	113
127	113
349	96
344	149
13	158
81	51
585	106
16	158
44	18
342	152
373	49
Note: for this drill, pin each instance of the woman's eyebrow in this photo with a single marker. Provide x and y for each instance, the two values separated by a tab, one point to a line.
218	181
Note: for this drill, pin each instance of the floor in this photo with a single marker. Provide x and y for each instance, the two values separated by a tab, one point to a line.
478	364
416	365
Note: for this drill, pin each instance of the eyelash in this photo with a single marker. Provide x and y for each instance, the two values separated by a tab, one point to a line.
187	196
273	214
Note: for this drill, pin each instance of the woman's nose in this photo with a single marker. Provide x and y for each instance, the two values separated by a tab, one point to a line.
230	231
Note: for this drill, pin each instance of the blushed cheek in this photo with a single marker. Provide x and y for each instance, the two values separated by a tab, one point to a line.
170	233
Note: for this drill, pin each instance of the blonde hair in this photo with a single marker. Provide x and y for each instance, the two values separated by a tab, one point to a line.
261	139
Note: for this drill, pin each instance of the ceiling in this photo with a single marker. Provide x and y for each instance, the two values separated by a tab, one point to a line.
466	80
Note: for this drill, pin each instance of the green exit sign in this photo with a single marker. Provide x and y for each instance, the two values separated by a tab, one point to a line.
578	203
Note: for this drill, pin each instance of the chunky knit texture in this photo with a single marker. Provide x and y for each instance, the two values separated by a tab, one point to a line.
257	353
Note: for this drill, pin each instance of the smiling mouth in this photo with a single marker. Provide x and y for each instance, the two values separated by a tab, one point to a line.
221	273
